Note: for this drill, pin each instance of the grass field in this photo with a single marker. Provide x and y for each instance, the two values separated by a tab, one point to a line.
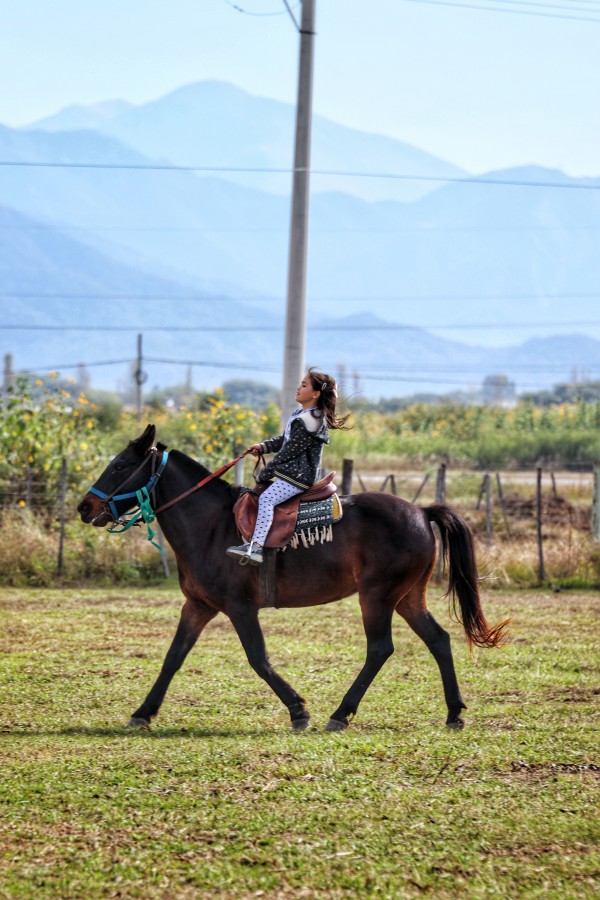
220	799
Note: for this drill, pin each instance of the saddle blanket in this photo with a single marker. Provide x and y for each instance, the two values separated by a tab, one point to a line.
294	522
315	521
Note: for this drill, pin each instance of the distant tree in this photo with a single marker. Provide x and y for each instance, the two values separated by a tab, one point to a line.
586	391
498	390
253	394
106	408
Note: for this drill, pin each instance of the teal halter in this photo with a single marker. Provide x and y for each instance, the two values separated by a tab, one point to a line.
112	499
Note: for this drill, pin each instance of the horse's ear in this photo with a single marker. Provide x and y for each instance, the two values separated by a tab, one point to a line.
145	440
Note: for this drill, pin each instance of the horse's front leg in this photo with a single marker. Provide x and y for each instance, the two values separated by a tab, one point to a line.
244	618
194	616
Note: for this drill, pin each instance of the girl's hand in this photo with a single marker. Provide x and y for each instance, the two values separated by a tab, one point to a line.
255	449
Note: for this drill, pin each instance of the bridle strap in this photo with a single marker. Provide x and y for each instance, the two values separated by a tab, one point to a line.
111	499
196	487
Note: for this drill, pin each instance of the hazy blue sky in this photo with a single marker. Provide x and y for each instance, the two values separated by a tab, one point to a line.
481	89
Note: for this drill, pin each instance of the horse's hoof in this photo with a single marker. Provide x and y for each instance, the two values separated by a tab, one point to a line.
337	725
300	724
141	724
456	724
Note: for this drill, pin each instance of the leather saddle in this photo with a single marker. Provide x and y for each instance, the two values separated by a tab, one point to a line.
286	513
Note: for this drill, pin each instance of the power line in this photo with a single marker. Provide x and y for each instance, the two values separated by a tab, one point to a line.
204	298
257	367
520	12
283	229
394	176
552	5
247	12
292	16
257	329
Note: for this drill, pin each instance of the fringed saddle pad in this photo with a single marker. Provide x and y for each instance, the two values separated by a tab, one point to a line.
286	513
315	520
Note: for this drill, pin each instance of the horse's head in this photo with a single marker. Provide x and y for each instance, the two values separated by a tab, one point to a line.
114	493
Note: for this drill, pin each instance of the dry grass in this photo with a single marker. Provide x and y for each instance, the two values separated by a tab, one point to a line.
29	548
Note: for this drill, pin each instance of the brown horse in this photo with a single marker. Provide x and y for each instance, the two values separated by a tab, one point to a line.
383	549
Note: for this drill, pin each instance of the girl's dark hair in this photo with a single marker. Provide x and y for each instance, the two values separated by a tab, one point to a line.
328	397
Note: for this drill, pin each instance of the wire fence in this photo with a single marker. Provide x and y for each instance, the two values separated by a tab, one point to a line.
495	504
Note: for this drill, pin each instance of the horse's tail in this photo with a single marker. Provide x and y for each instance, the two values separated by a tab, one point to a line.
459	554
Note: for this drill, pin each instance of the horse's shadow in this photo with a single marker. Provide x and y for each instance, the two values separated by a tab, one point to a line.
166	732
122	731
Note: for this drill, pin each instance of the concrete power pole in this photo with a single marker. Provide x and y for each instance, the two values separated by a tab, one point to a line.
295	324
9	375
139	377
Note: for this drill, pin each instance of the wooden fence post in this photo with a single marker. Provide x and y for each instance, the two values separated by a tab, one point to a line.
440	487
502	503
488	507
481	493
347	467
62	490
163	556
538	508
420	488
238	469
596	505
440	497
392	480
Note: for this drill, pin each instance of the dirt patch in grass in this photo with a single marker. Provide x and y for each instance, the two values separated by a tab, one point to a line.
555	511
551	770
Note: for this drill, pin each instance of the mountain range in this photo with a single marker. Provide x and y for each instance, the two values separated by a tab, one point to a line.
98	231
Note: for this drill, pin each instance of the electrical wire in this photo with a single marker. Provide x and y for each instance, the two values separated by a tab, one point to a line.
291	12
257	367
317	301
284	229
519	12
523	4
388	326
247	12
393	176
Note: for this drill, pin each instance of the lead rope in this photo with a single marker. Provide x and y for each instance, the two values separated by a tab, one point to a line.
147	514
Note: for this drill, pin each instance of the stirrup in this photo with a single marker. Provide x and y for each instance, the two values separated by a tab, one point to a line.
247	554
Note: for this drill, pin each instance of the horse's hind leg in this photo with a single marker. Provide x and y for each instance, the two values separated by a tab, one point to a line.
194	616
414	610
377	620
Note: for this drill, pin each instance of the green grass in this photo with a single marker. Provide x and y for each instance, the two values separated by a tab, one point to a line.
220	799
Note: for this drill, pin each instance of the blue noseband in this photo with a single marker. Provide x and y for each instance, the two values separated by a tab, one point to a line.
112	499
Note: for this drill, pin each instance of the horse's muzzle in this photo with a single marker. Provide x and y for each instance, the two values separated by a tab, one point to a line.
93	511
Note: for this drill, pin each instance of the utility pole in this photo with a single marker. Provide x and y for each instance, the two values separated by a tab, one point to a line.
295	324
139	376
9	375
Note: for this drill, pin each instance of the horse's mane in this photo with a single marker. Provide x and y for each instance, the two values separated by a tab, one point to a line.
196	472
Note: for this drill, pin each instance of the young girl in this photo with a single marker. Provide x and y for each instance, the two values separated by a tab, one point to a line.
297	461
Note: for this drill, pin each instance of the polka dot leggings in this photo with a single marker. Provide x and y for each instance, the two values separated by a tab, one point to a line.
276	493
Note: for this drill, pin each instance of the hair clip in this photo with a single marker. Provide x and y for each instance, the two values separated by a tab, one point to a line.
324	385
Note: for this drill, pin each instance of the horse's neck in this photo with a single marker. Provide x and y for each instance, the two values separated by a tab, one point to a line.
183	473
